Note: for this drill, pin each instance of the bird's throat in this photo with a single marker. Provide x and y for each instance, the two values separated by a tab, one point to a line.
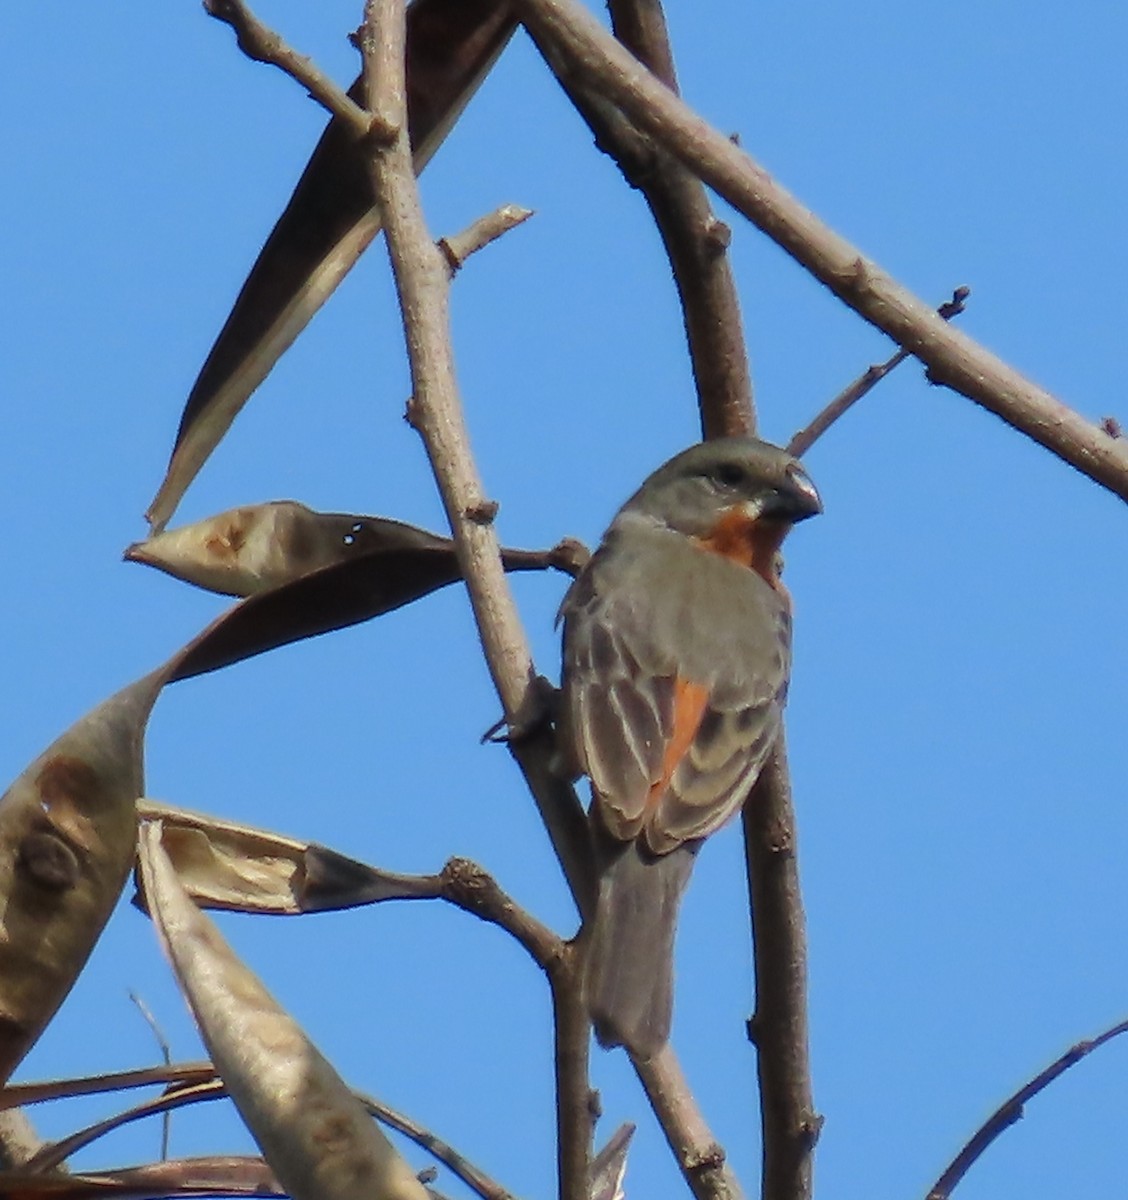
753	543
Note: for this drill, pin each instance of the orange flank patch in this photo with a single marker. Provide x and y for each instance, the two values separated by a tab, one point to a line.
690	700
752	543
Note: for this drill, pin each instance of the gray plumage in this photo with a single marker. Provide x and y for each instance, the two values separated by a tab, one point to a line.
676	662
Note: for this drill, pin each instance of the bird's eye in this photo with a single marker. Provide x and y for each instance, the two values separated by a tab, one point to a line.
730	474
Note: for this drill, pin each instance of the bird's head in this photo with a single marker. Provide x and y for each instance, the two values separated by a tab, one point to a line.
737	478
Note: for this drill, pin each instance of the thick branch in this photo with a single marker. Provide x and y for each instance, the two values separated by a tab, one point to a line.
574	1115
594	59
779	1026
696	243
422	274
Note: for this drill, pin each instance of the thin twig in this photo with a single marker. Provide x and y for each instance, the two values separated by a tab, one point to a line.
264	45
852	393
422	276
459	246
779	1026
474	1178
1011	1110
953	359
166	1054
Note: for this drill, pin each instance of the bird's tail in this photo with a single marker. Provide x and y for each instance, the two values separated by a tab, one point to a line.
629	979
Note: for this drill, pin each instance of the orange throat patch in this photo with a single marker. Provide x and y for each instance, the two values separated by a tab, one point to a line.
751	543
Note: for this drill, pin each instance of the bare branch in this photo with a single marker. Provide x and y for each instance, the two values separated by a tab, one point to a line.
422	275
264	45
698	1154
1011	1110
695	243
779	1026
484	230
596	60
472	889
870	378
575	1118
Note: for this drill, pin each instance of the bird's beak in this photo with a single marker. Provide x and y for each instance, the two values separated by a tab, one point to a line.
795	500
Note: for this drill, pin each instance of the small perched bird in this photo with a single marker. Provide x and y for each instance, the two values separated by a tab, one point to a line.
677	652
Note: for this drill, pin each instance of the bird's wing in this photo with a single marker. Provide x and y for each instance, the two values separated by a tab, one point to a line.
671	719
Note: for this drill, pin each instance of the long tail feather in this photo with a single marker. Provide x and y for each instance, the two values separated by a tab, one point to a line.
629	984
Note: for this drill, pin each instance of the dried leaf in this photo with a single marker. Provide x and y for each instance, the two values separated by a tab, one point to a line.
228	1175
328	223
314	1133
67	833
222	864
345	593
54	1154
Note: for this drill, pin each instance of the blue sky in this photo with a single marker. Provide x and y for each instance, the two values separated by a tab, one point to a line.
957	715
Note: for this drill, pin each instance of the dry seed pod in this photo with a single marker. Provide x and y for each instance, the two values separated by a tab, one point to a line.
314	1133
67	836
260	546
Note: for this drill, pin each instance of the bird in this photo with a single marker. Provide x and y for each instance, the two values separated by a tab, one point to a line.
676	662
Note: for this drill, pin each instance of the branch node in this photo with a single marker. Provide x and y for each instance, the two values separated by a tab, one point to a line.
569	555
810	1129
955	306
1111	426
411	413
752	1029
711	1158
381	131
717	237
482	512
